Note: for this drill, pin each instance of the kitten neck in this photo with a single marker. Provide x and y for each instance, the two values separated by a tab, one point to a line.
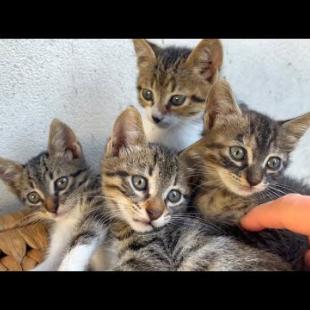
220	203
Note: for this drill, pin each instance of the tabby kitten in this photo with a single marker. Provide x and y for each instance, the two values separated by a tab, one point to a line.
242	156
239	164
173	84
145	188
60	187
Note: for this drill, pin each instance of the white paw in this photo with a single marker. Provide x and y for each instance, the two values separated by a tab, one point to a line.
44	267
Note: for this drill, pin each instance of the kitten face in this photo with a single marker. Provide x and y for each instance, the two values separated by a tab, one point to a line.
244	151
173	83
50	181
144	184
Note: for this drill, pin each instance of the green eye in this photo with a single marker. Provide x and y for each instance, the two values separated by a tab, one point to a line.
237	153
61	183
274	163
174	196
147	94
177	100
139	182
34	197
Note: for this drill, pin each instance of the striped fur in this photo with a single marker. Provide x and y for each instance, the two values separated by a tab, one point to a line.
176	71
182	240
225	189
75	212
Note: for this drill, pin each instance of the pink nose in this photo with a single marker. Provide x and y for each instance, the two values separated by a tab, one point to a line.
154	214
50	205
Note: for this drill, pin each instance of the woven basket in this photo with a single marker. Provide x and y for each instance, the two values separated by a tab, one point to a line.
22	245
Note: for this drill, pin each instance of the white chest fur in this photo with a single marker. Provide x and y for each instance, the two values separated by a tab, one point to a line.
179	136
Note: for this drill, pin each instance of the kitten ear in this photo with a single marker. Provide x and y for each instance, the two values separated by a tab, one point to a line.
221	104
63	142
295	128
10	172
127	131
206	58
146	52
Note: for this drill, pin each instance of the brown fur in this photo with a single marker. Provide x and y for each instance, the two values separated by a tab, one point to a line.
127	155
179	240
224	185
172	71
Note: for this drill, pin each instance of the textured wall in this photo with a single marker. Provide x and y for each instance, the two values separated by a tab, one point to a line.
87	82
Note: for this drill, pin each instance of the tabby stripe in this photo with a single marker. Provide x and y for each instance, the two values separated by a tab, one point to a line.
160	256
110	186
119	173
83	238
122	237
215	145
77	173
136	246
173	85
70	189
198	99
83	181
137	264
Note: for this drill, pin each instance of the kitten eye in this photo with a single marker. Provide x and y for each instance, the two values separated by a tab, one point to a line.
174	196
34	197
177	100
147	94
237	153
274	163
139	182
61	183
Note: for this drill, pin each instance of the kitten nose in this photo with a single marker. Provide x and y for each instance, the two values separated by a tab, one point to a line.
254	177
154	213
156	119
51	206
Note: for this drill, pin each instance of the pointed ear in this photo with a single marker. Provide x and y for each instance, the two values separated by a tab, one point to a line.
127	131
146	52
206	58
63	142
221	104
294	129
10	172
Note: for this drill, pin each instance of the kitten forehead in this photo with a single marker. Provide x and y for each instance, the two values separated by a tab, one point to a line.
149	160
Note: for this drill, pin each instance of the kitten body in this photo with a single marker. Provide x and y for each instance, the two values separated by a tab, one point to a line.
62	190
173	84
187	245
233	168
145	188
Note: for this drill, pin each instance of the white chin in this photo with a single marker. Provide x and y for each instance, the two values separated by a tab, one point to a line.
160	222
140	227
61	212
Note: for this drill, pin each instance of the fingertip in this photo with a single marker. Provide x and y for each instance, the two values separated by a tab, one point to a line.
250	223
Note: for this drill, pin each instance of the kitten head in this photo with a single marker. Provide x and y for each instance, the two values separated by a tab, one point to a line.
173	82
144	184
243	151
50	181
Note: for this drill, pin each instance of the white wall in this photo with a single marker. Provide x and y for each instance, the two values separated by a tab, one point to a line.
87	82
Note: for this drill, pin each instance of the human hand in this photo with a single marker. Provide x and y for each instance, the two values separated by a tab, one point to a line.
290	212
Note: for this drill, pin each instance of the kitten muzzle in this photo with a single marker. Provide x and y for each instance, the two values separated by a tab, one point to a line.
51	205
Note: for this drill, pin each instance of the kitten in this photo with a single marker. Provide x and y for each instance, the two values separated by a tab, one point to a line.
61	189
145	188
173	84
239	164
